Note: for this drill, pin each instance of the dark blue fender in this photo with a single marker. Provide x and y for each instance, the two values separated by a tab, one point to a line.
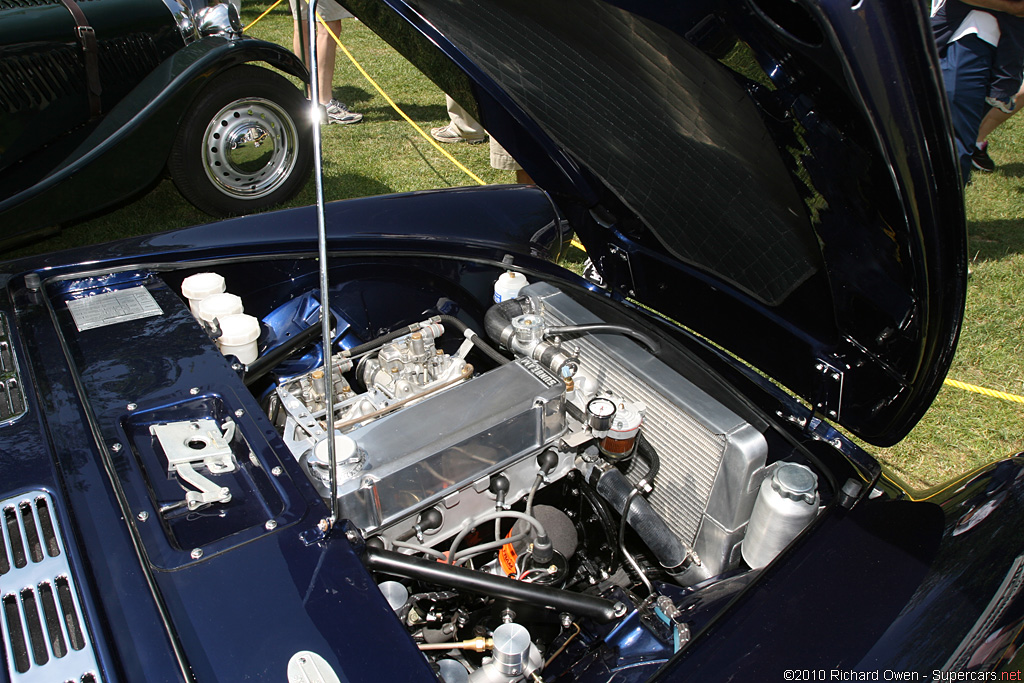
897	583
129	148
491	221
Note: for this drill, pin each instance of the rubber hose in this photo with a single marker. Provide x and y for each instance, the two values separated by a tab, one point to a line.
648	524
478	341
646	451
378	342
499	317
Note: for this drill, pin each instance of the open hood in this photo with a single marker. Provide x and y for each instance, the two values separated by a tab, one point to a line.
775	175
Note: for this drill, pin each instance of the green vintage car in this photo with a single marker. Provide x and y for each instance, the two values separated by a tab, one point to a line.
100	98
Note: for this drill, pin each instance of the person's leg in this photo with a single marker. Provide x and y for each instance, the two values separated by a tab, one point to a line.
326	52
466	125
462	127
503	161
966	67
996	116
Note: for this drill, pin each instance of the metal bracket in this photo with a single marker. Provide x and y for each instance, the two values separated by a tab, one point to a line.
623	255
198	443
829	399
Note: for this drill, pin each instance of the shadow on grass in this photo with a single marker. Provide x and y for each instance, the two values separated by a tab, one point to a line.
993	240
416	112
344	186
351	95
1012	170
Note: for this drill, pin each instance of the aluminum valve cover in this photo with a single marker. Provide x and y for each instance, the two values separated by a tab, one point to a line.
426	451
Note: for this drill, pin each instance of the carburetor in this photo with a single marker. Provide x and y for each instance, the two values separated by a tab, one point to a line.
410	365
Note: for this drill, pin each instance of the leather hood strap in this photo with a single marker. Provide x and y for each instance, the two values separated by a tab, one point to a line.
90	50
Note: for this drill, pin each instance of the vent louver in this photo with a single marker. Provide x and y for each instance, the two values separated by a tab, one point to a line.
44	633
12	396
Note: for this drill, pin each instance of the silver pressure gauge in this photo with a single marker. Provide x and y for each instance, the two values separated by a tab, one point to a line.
600	412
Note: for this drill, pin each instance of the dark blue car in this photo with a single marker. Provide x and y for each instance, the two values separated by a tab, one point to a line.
486	468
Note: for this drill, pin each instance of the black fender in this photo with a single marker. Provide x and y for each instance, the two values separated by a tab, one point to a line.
128	150
904	582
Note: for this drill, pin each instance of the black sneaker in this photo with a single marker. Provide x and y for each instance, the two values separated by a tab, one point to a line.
981	160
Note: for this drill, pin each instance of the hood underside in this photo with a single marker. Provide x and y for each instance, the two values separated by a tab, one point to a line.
775	175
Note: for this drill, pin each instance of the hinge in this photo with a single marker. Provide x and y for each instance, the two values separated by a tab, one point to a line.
623	256
828	399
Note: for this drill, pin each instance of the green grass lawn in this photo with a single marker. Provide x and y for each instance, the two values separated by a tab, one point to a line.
383	154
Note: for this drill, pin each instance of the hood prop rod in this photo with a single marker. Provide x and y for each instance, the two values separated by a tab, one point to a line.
321	228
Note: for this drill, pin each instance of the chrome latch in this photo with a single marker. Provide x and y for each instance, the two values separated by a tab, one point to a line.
194	444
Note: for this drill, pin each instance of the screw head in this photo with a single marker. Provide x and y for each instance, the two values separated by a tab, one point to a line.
351	536
132	406
194	391
270	525
236	366
143	516
196	553
276	471
116	447
239	413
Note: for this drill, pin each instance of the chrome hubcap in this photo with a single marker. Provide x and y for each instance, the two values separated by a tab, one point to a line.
250	148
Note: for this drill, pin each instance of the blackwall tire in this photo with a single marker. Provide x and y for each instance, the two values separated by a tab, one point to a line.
245	144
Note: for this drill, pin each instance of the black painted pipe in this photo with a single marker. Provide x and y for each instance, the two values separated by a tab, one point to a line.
281	352
388	562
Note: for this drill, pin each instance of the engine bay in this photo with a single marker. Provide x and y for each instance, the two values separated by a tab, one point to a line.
528	482
524	470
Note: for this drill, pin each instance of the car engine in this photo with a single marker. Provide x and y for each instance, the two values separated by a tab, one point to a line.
516	486
506	484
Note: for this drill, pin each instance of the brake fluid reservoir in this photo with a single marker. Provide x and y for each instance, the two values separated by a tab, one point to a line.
508	285
785	505
197	287
239	333
219	305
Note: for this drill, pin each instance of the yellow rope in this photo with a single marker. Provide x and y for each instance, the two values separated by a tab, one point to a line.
984	392
398	109
256	20
383	94
575	242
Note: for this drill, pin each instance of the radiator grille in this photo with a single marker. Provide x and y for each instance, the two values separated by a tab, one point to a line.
45	636
690	453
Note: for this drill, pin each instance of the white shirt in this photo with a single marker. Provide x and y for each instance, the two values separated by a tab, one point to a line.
983	24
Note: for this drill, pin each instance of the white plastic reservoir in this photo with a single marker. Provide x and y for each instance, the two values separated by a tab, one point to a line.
239	333
220	305
507	286
197	287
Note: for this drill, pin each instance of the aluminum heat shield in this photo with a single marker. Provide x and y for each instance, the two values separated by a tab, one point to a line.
429	450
